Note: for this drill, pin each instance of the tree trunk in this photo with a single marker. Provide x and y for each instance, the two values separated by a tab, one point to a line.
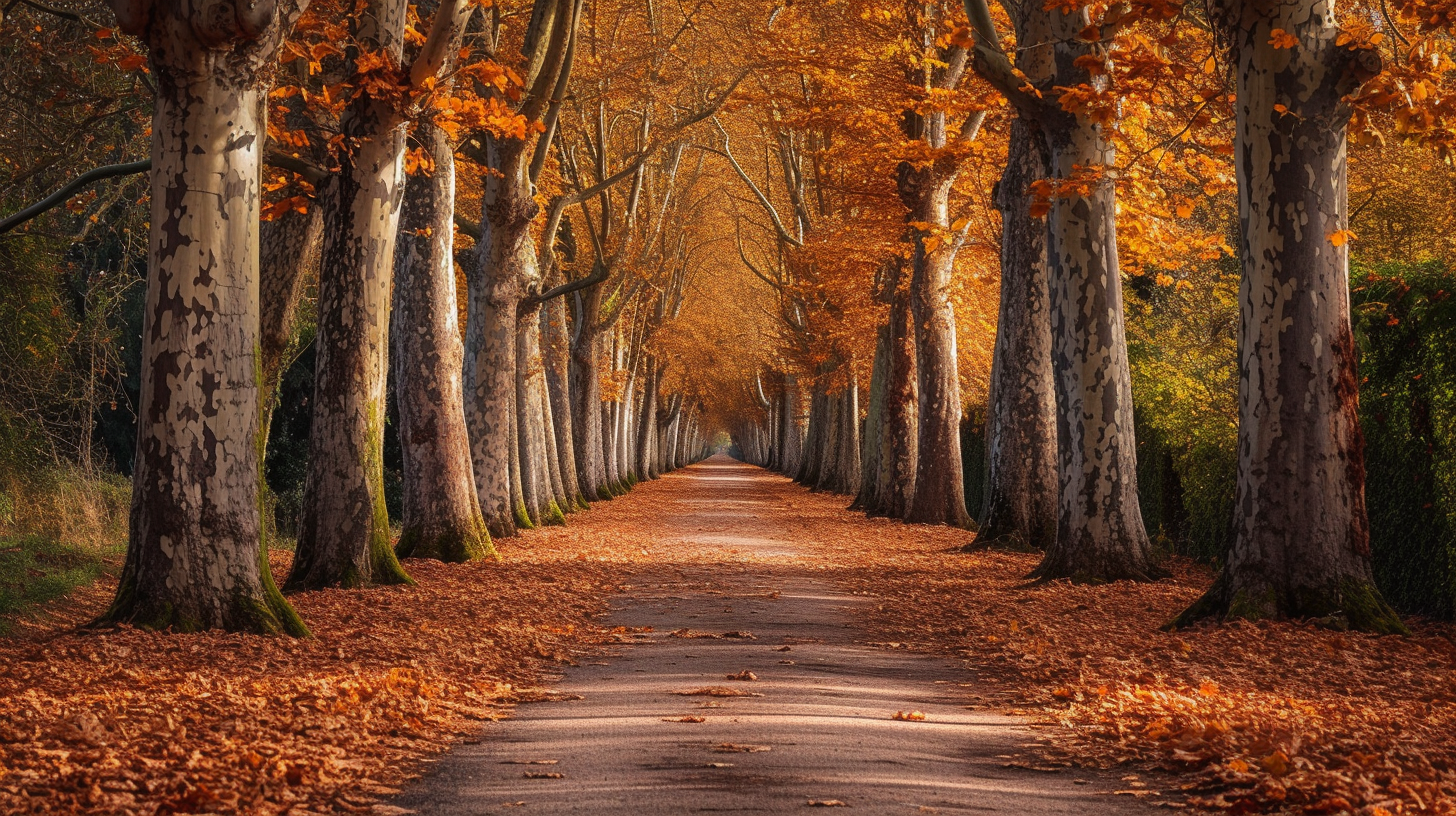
898	446
811	462
673	434
789	416
553	459
868	498
940	496
586	405
504	251
832	420
1301	543
1100	534
529	454
626	440
344	535
1020	507
849	438
289	250
556	353
540	505
647	424
194	558
442	518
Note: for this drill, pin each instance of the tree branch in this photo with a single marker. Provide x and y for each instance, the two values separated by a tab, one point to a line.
558	96
79	183
763	201
311	172
449	24
994	66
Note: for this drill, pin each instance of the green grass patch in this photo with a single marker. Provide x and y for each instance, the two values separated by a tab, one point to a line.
35	569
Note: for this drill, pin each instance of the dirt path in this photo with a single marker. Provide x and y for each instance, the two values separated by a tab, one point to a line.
745	584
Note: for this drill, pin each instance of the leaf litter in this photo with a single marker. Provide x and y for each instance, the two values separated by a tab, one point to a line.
1243	718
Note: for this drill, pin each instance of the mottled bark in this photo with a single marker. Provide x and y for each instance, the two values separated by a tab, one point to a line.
939	496
289	249
898	446
344	535
442	518
1301	543
1020	506
1100	534
556	355
194	558
586	401
504	255
868	498
647	424
553	461
538	502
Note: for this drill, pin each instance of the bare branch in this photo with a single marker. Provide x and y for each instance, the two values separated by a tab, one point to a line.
763	200
79	183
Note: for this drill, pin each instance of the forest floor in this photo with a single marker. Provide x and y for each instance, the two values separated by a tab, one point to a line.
1242	718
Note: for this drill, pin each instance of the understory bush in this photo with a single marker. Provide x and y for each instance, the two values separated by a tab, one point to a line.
1405	326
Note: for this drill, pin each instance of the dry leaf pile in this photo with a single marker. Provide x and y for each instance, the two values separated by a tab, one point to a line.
1255	717
129	721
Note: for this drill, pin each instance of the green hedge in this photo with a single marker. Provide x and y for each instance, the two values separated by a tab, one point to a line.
1405	325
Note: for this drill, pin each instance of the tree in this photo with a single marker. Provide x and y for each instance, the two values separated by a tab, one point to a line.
344	535
194	558
1100	534
442	516
1301	543
505	270
1021	493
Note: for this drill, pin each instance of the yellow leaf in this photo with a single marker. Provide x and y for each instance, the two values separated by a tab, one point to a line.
1276	763
1279	38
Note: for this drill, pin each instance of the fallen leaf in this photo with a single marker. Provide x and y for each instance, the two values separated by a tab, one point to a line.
743	675
909	716
717	691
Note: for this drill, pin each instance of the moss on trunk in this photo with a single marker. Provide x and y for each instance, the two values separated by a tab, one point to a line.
1348	604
